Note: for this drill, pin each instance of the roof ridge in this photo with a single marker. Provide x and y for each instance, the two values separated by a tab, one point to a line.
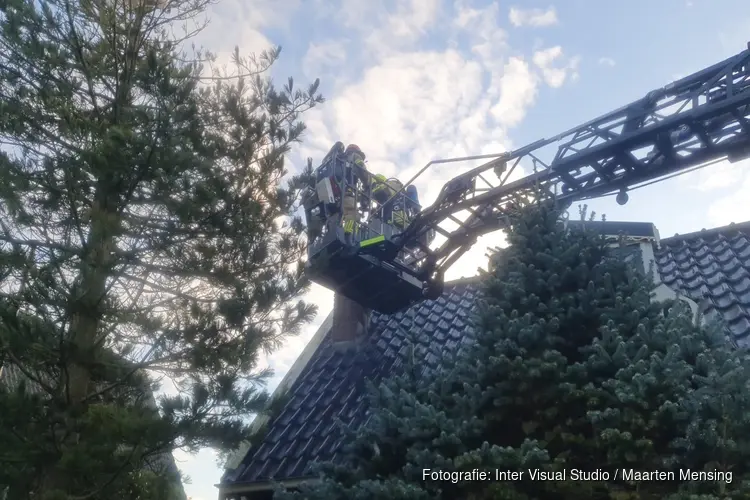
741	226
464	280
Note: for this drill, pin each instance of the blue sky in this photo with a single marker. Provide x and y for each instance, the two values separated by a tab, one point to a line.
415	80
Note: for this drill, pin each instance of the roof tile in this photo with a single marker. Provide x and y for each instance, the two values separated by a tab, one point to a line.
712	268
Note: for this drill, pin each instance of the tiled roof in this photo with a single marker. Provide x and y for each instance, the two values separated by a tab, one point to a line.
332	385
713	268
712	265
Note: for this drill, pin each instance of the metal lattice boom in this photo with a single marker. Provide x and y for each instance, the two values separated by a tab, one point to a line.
693	122
699	119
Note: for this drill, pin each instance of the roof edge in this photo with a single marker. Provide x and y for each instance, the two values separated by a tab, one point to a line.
734	226
287	381
260	486
300	363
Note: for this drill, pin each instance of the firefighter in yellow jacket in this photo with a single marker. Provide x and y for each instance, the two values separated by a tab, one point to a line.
389	197
356	171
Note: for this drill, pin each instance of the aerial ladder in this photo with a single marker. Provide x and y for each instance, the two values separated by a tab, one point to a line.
693	122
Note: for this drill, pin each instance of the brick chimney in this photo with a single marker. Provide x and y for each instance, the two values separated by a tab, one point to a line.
350	320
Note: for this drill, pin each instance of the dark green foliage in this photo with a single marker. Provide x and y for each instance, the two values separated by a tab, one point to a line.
141	237
574	366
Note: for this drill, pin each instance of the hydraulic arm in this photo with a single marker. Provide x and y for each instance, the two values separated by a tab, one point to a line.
700	119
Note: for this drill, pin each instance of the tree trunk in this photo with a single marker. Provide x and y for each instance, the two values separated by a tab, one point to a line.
85	319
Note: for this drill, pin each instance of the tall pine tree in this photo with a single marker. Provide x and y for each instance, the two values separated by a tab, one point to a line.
573	366
144	234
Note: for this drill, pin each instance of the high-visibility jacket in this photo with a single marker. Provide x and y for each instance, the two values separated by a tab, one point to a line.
383	189
393	209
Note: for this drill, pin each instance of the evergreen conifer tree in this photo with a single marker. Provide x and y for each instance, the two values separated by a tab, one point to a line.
141	237
573	367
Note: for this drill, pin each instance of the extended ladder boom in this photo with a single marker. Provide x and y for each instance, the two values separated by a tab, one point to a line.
695	121
699	119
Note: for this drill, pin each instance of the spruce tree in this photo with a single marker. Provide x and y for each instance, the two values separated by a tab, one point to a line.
573	367
144	237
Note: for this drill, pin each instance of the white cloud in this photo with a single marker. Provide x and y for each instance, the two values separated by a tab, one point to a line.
355	14
607	61
384	31
518	88
234	23
715	176
322	57
533	17
555	76
413	18
733	207
410	109
230	21
407	100
487	40
400	30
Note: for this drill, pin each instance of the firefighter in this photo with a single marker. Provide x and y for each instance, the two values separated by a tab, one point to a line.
318	210
383	191
412	201
399	215
355	171
335	151
355	156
